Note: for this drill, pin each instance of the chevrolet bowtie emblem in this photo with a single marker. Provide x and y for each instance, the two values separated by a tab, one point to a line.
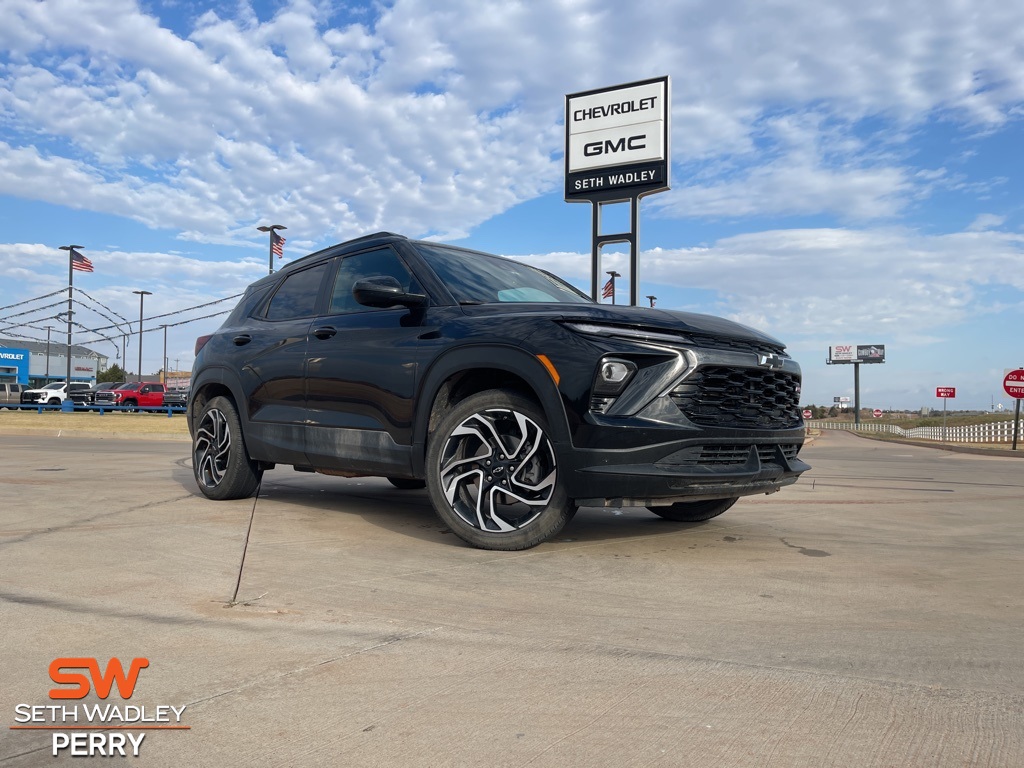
770	361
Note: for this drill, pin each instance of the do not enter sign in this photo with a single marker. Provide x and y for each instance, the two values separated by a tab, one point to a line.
877	413
1014	383
807	414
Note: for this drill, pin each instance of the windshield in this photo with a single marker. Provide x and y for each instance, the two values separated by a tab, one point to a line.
133	385
54	386
480	278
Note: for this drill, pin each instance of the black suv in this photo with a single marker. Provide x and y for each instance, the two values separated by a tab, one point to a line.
507	392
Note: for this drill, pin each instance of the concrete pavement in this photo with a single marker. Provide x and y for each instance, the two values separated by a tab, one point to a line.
870	615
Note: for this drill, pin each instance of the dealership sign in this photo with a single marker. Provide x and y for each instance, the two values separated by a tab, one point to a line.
617	141
856	353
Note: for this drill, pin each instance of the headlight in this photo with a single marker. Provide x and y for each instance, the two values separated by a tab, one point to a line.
625	332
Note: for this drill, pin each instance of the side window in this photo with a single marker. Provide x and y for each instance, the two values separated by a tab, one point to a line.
369	264
297	295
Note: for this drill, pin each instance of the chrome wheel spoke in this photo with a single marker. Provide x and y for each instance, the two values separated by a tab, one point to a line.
498	470
212	447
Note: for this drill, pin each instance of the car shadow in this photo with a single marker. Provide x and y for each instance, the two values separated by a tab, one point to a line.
409	512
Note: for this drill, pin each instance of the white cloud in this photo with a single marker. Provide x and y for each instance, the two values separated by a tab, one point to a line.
433	116
815	285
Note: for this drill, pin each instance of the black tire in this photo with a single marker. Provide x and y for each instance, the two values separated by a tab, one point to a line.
220	462
694	511
54	401
131	406
407	484
492	473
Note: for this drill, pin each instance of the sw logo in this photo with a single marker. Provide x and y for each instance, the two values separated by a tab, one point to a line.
102	743
102	682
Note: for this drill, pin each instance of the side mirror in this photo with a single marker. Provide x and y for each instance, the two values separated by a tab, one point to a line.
385	291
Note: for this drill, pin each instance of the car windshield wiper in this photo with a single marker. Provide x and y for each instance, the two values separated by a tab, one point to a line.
468	302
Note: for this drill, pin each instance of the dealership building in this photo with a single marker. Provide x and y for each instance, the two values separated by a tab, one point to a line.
37	363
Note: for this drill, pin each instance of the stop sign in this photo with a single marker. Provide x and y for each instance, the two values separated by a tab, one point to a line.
1014	383
807	414
877	413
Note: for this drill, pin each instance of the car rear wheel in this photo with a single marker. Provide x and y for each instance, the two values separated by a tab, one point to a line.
694	511
220	461
493	476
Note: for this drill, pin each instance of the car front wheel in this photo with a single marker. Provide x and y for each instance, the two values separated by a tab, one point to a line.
220	461
693	511
493	476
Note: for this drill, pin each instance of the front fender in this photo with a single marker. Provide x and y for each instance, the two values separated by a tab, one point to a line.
480	357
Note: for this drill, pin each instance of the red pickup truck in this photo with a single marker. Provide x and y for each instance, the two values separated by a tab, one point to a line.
135	394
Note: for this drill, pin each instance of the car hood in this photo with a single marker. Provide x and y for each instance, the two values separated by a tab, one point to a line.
633	317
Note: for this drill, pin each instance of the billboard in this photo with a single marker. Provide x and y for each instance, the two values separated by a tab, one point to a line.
617	140
856	353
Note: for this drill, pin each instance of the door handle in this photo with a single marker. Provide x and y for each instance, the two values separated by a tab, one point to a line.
242	339
324	332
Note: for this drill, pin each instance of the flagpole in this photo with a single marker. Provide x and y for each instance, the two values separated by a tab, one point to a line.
71	304
270	229
613	274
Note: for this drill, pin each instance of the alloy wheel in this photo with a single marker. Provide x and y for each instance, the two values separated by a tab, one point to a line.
498	470
212	449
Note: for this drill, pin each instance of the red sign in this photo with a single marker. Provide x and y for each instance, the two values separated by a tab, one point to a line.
807	414
876	413
945	391
1014	383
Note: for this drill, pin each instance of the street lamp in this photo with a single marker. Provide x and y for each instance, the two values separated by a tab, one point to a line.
613	275
142	298
275	239
652	299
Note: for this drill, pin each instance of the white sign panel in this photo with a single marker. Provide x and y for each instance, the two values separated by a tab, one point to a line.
617	126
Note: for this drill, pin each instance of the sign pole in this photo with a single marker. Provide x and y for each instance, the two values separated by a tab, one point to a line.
856	393
1016	423
944	419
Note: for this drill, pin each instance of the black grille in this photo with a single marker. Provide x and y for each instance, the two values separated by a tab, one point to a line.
737	454
728	455
751	398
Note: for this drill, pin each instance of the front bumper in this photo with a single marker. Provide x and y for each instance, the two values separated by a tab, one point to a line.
706	424
706	470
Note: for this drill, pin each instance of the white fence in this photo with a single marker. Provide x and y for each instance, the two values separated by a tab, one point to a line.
997	432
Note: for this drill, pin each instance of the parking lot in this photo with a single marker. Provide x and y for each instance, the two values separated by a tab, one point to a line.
870	615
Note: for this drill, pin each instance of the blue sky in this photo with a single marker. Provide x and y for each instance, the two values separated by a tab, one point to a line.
840	174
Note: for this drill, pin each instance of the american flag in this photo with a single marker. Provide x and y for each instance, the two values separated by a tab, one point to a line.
80	262
276	244
609	289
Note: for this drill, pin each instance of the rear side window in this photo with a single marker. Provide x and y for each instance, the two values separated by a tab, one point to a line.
297	295
244	308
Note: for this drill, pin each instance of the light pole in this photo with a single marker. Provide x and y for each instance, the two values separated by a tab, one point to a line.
142	299
71	291
613	275
652	299
163	369
48	353
275	240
